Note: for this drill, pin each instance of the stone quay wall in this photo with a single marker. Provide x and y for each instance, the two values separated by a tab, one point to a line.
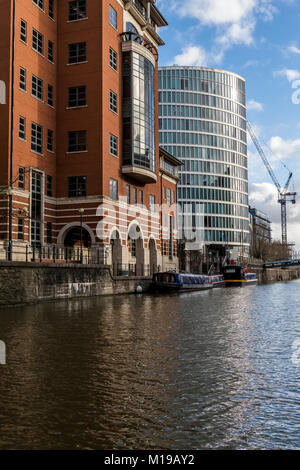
34	282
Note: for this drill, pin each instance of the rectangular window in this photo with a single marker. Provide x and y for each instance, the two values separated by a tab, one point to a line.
22	79
49	233
49	188
51	9
50	140
37	41
77	96
37	87
113	101
36	138
20	228
141	197
128	193
132	247
77	53
39	3
36	235
50	51
77	141
77	10
112	17
134	196
152	203
113	59
36	207
21	177
113	188
77	186
22	127
113	145
169	197
23	34
50	95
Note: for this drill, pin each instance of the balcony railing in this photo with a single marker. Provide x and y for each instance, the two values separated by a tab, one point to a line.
140	7
131	36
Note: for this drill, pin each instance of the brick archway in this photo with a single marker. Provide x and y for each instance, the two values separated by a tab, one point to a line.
64	231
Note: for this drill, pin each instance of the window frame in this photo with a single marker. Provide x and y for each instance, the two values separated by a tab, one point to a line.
77	45
74	144
38	41
113	145
22	79
77	4
50	140
80	185
36	142
21	226
50	95
77	101
37	87
39	3
51	9
113	189
51	51
113	59
23	23
113	101
113	17
22	125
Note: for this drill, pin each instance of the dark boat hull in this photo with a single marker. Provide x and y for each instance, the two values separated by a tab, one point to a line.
175	288
240	283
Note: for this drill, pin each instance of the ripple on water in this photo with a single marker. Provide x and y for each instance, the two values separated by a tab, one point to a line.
191	371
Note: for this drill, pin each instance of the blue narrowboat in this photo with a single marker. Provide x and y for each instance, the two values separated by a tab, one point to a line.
237	276
217	280
169	281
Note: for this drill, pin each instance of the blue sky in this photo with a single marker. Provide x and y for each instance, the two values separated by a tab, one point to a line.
259	39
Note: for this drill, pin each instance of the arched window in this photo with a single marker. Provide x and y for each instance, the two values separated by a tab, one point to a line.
130	28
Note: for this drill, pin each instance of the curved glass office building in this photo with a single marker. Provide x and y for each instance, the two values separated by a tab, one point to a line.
202	121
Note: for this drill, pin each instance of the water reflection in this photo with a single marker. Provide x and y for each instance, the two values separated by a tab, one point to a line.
191	371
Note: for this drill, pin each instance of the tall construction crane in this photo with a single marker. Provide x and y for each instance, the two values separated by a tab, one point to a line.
284	195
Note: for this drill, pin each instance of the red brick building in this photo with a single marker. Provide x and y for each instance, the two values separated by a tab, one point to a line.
79	129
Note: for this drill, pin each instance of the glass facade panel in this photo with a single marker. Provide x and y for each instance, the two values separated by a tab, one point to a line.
138	111
202	121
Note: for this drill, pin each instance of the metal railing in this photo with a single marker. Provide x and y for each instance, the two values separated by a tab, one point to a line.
132	36
130	269
52	254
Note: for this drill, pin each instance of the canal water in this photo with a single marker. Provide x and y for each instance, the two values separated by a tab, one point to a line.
210	370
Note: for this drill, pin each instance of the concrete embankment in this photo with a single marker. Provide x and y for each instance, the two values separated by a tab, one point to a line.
33	282
275	274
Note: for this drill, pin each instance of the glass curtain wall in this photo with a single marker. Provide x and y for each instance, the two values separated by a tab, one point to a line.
202	121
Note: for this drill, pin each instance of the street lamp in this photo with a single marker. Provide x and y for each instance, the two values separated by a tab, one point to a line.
9	193
81	211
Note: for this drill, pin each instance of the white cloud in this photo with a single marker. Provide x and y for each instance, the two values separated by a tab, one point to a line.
294	50
238	33
191	55
254	105
284	148
290	74
235	20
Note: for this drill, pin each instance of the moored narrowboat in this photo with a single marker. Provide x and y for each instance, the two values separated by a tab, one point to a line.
237	276
169	281
217	280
